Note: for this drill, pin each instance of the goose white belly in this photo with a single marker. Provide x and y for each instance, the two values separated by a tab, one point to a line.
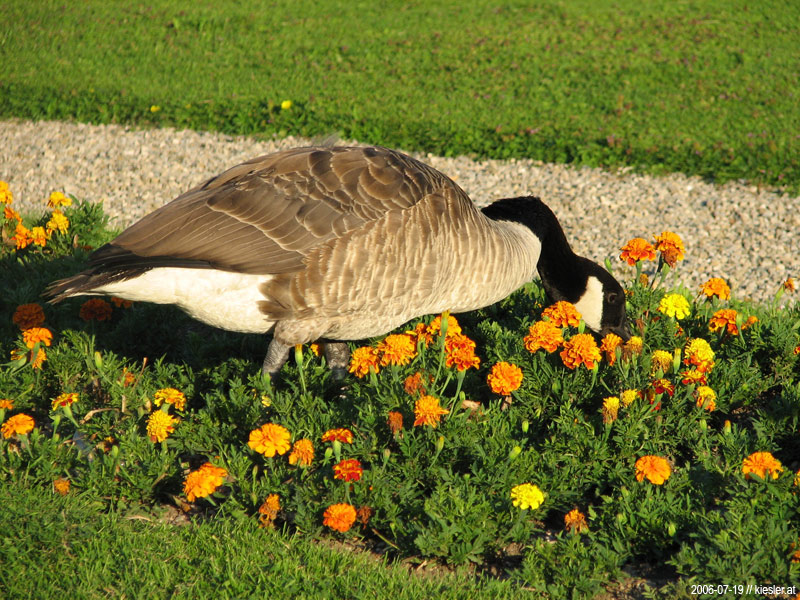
223	299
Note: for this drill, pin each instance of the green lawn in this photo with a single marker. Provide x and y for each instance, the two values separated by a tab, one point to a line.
707	88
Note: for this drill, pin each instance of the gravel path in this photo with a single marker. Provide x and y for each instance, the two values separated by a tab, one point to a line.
735	231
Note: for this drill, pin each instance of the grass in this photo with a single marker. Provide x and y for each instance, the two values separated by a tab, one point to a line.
440	495
706	88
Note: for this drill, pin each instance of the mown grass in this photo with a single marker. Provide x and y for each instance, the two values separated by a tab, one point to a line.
435	494
706	88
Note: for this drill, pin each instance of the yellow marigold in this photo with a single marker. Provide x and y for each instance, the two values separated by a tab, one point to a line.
674	305
655	468
302	453
339	517
637	249
504	378
671	247
57	199
6	404
159	425
6	197
724	319
610	409
362	360
204	481
37	335
527	495
716	286
270	439
699	354
96	308
39	236
660	360
58	222
428	411
61	485
20	424
627	397
706	397
121	302
562	314
28	315
788	285
761	464
268	511
22	237
342	435
65	399
633	347
581	349
460	352
395	422
609	345
397	349
170	396
575	521
435	327
543	335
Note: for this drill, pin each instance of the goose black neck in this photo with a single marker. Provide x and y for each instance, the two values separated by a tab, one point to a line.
559	267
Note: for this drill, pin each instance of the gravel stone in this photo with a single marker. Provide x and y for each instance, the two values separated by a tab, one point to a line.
737	231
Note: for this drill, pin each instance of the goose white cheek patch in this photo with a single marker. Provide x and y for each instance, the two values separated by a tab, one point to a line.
590	304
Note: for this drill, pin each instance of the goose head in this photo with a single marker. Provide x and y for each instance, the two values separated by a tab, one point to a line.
566	276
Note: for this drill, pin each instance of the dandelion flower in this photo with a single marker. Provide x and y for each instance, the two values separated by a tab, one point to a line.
170	396
270	439
345	436
705	397
435	327
57	199
61	485
204	481
97	309
20	424
724	319
637	249
339	517
397	349
544	335
610	409
660	360
504	378
609	345
716	286
460	352
575	521
699	354
671	247
527	495
761	464
348	470
627	397
675	306
58	222
65	399
655	468
428	411
302	453
581	349
362	360
28	315
562	314
37	335
395	422
160	425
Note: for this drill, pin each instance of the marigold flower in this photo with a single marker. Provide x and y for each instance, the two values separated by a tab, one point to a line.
663	386
269	510
675	306
57	199
716	286
159	425
544	335
61	485
37	335
761	464
562	314
413	384
348	470
362	360
633	347
65	400
705	397
339	517
655	468
96	308
28	315
460	352
724	319
364	514
39	236
428	411
420	334
788	285
11	215
671	247
627	397
302	453
270	439
609	345
660	360
121	302
345	436
58	222
699	354
575	521
395	422
397	349
693	377
527	495
504	378
204	481
637	249
6	404
20	424
581	349
435	327
610	409
6	197
37	361
170	396
22	237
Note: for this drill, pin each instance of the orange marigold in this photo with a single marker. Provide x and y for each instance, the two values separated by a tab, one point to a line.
397	349
11	215
788	285
362	360
761	464
170	396
37	361
37	335
6	404
268	511
420	333
20	424
663	386
716	286
609	345
428	411
302	453
575	521
342	435
413	384
339	517
204	481
460	352
724	319
22	237
562	314
97	309
121	302
655	468
504	378
706	397
637	249
435	327
395	422
581	349
348	470
364	514
28	315
544	335
61	485
693	377
671	247
270	439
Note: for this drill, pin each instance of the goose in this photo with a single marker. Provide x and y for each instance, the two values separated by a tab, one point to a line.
337	243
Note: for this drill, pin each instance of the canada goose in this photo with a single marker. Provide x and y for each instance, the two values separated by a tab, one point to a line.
341	243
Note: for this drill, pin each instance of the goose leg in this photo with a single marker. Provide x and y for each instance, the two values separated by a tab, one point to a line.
277	354
337	354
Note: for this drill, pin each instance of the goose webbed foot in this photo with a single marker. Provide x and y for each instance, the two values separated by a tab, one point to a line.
337	355
277	354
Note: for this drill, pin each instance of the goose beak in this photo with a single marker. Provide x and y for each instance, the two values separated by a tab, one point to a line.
622	331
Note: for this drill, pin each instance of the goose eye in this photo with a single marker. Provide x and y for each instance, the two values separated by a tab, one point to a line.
612	297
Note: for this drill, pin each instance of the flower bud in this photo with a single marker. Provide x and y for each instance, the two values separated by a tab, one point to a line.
515	452
525	426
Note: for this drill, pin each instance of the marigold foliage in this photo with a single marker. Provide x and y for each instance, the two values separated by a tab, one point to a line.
581	349
504	378
761	464
270	439
655	468
339	517
526	496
